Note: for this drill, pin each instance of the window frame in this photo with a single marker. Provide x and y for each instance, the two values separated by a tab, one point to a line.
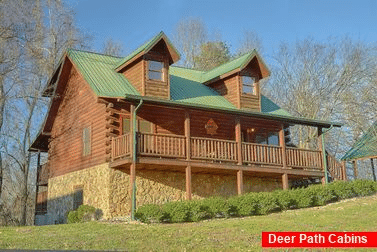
161	71
253	85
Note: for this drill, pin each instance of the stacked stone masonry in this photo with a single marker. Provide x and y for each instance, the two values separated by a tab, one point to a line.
108	189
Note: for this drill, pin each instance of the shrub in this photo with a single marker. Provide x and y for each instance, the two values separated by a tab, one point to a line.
218	207
244	205
83	214
364	187
322	194
303	197
285	199
177	211
198	211
267	203
149	213
342	189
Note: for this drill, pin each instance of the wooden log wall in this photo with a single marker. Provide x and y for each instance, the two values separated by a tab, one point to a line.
78	110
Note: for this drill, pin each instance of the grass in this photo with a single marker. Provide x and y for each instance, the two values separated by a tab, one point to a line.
238	234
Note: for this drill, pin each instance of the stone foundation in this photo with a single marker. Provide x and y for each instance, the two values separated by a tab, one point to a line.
108	189
95	182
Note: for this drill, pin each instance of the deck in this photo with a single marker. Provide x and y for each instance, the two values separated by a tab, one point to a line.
216	153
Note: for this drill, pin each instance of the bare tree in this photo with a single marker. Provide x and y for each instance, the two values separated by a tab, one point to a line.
323	81
189	35
249	41
113	48
44	32
212	54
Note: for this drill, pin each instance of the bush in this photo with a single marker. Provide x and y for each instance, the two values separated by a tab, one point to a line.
218	207
177	211
149	213
323	194
364	187
342	189
285	199
83	214
253	203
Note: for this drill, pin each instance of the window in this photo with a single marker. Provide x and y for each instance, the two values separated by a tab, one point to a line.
86	141
78	196
143	126
248	85
270	138
155	70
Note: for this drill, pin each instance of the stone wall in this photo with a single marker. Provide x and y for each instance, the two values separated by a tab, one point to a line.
61	189
158	187
108	189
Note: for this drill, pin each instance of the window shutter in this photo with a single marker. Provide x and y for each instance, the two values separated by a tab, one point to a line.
86	140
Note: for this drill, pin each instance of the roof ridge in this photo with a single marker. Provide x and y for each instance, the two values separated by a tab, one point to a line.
237	58
92	52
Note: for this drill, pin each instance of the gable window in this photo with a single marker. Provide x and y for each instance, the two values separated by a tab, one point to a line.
248	85
155	70
86	141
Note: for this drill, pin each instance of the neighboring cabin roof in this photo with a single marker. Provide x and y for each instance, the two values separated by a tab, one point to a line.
365	147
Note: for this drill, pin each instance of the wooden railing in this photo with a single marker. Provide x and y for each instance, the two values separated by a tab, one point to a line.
261	154
175	146
213	149
121	147
335	168
302	158
162	145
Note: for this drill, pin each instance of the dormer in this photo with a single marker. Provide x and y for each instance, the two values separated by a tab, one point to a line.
238	81
147	68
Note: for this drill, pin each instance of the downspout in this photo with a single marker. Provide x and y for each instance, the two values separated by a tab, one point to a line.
134	156
324	153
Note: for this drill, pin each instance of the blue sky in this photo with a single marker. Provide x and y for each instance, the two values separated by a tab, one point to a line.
134	22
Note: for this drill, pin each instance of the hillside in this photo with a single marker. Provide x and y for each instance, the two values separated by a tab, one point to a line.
239	234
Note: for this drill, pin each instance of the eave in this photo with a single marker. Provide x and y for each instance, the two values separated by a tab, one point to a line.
290	120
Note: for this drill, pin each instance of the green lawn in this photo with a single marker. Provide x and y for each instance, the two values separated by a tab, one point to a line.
239	234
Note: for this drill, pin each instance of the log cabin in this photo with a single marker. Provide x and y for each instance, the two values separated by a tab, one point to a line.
125	131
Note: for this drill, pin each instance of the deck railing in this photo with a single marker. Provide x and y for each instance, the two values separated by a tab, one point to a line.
335	168
303	158
261	154
216	150
213	149
161	145
120	147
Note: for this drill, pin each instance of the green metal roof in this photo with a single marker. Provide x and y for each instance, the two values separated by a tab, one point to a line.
145	47
186	87
98	71
365	147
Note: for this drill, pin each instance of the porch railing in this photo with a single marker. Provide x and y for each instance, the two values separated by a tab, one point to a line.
162	145
261	154
213	149
120	147
303	158
217	150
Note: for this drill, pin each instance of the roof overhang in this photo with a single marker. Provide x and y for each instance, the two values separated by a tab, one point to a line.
290	120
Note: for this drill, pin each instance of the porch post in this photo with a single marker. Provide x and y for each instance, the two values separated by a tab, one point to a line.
188	135
188	183
133	164
239	141
373	171
355	171
323	154
240	182
284	178
344	170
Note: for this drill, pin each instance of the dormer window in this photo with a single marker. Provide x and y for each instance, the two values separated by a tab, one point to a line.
248	85
155	70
